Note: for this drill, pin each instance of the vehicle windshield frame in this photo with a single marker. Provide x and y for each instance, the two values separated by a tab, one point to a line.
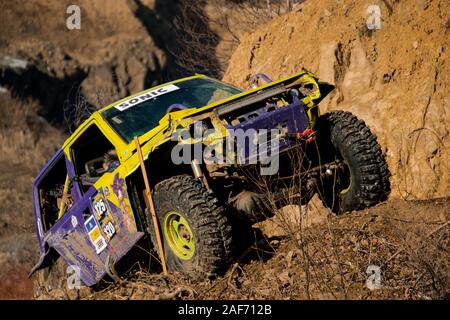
112	112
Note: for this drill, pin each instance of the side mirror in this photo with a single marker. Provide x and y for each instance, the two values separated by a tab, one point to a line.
175	107
253	81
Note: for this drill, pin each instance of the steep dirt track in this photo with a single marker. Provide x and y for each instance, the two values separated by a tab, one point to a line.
407	240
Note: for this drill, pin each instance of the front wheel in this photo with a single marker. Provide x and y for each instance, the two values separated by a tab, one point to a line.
360	177
197	236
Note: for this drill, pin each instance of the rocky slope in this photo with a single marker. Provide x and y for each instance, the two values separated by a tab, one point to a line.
395	78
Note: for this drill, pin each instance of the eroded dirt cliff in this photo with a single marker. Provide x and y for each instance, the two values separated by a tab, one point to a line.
395	78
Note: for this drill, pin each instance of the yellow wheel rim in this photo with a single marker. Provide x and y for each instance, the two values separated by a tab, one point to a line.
179	235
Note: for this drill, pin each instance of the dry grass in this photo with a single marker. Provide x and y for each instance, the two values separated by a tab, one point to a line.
327	261
26	143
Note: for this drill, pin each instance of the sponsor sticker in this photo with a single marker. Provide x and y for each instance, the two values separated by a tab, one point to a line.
94	234
74	221
106	192
90	224
146	96
100	244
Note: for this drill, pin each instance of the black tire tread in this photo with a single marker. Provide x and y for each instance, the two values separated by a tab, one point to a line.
214	233
351	132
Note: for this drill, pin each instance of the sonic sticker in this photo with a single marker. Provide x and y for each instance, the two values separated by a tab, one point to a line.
145	96
97	239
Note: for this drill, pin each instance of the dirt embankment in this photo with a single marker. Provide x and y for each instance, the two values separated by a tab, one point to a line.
331	258
122	47
395	78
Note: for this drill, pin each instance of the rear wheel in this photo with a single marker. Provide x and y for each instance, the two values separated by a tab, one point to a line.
360	176
197	236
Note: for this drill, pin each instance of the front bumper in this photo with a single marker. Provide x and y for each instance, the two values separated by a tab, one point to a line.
268	127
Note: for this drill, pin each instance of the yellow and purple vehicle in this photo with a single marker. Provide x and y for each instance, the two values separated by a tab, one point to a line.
89	199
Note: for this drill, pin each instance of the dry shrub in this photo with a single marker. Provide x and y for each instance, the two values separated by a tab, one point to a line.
333	252
26	143
81	109
208	31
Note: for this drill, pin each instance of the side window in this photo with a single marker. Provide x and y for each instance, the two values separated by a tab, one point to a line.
93	155
54	193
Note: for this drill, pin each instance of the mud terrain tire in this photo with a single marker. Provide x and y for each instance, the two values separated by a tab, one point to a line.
364	181
182	203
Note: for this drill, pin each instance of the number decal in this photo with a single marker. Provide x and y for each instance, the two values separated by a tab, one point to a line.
109	229
100	208
104	217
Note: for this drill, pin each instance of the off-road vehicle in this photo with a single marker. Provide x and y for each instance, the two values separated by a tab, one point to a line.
90	201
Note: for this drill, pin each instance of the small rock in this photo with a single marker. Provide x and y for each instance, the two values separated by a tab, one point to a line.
442	216
327	13
72	294
265	292
59	294
84	292
274	242
284	277
421	4
289	256
415	44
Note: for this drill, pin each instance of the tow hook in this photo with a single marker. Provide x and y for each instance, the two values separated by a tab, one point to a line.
308	135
